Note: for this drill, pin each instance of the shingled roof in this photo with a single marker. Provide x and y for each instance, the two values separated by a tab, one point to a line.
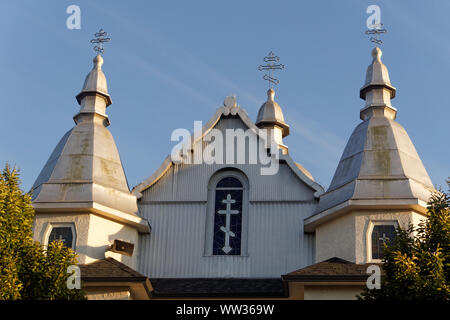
334	269
112	274
109	269
225	288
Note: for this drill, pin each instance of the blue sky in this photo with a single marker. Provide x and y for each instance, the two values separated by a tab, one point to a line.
172	62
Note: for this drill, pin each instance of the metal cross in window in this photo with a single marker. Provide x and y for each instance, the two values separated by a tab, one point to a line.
62	239
384	238
228	212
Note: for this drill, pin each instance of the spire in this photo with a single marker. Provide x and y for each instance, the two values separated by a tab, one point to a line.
94	97
380	168
377	90
88	155
95	82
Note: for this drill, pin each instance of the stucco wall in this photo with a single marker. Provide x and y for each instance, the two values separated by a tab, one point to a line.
103	232
363	221
42	222
93	235
336	238
331	292
348	237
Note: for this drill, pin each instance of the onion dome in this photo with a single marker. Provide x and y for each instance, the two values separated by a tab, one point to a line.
270	115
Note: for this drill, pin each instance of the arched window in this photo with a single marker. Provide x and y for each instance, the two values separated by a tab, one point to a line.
226	232
64	232
380	232
228	217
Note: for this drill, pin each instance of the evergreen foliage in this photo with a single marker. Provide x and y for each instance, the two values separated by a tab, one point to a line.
417	262
27	270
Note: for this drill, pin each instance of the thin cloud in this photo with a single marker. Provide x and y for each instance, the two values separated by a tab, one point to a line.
142	64
426	32
172	52
327	146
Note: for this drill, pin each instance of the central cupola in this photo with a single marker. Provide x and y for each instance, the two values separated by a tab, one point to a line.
270	117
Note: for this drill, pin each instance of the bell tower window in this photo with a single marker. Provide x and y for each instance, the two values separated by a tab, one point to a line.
380	233
61	232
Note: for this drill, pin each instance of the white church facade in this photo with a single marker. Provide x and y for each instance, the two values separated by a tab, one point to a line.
228	226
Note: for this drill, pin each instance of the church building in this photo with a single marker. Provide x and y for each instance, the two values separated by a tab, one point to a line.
230	225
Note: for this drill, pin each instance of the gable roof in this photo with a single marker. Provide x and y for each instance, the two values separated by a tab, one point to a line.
225	111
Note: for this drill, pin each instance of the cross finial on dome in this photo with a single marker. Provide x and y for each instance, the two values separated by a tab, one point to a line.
375	30
270	59
95	83
100	37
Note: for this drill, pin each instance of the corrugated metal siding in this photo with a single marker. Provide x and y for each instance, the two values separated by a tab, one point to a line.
177	184
276	237
178	181
176	208
175	247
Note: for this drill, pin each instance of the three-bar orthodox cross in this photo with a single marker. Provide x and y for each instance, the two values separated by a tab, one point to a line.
227	228
374	32
100	37
271	59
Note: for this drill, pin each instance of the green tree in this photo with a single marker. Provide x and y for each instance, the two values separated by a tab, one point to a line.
27	270
417	262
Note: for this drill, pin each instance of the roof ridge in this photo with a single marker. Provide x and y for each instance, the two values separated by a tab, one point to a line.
337	260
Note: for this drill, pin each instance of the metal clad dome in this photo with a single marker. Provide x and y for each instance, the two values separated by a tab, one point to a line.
270	113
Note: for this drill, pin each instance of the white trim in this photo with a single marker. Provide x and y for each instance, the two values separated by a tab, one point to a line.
372	224
225	111
209	225
51	225
141	224
318	218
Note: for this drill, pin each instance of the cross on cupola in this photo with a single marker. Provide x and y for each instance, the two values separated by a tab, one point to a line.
227	228
271	65
100	38
374	31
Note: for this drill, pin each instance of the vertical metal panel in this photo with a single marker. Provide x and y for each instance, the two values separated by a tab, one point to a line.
284	186
175	246
176	208
177	183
